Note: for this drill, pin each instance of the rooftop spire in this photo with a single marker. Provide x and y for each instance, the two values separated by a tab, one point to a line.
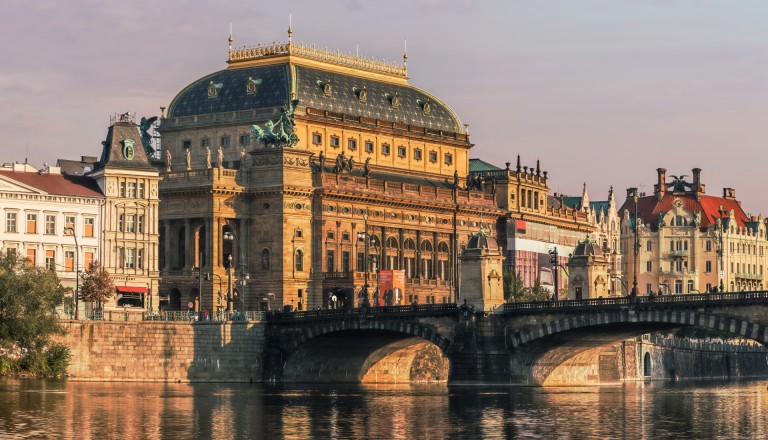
230	36
290	27
584	198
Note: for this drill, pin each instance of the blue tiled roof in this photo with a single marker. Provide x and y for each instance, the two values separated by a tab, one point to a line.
275	86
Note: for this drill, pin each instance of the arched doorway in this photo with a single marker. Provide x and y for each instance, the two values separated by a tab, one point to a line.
647	364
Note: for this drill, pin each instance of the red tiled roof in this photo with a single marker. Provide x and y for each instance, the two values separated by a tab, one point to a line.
649	207
57	183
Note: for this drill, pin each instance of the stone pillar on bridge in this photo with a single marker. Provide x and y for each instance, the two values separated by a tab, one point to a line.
481	274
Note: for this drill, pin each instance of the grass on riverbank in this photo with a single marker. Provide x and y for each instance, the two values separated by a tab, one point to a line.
50	362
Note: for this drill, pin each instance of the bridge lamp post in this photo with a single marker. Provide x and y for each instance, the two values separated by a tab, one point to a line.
720	249
636	253
366	239
209	277
71	231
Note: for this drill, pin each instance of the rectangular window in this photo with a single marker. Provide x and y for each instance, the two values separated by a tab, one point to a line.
690	286
649	246
140	259
352	144
401	151
69	222
448	159
130	258
130	223
225	141
648	289
31	223
708	266
417	154
335	141
88	259
369	147
317	139
385	149
345	261
31	257
708	245
69	261
433	156
360	261
131	193
122	189
140	223
671	245
298	233
187	144
679	266
648	266
50	259
709	287
88	232
245	139
10	222
205	143
329	261
141	190
50	224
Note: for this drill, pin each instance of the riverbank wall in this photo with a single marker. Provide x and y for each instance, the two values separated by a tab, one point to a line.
681	359
165	351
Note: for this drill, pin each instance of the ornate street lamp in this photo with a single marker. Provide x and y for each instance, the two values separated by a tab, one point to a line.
366	238
636	253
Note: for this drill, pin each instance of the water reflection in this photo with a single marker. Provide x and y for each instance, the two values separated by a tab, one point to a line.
60	409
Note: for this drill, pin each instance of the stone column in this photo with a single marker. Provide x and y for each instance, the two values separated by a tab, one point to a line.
189	248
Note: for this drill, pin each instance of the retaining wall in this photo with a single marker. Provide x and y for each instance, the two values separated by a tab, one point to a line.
165	351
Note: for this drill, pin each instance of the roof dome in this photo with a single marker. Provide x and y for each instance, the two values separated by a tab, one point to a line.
587	248
482	241
314	77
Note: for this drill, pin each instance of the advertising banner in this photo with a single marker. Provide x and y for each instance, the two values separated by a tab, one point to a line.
392	288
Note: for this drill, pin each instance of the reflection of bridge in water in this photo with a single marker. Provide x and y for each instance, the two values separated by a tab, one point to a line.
525	343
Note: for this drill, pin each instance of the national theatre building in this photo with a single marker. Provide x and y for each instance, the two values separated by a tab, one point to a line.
296	174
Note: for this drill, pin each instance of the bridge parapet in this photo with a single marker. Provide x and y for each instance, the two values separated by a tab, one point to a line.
640	302
411	311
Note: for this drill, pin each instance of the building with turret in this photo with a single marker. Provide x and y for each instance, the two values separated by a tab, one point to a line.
689	241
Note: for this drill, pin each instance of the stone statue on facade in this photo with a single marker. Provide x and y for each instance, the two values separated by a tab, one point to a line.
660	220
322	161
697	219
341	163
207	157
220	157
188	158
351	164
168	160
281	133
367	167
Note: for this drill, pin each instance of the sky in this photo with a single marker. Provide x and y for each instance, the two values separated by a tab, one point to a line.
601	91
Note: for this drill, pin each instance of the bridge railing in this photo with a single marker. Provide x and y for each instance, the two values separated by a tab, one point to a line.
410	310
656	301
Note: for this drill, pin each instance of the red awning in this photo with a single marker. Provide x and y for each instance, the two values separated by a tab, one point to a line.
131	289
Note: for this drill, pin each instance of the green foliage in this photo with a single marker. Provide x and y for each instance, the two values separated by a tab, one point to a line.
513	286
515	290
52	362
97	284
703	333
28	297
8	366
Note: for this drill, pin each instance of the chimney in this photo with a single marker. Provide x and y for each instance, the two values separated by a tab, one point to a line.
729	193
661	187
697	186
631	193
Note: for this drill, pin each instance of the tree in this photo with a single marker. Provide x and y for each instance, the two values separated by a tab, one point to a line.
513	286
28	298
97	284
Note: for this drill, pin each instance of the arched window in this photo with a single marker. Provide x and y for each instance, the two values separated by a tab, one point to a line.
265	259
392	243
442	247
299	260
426	246
409	244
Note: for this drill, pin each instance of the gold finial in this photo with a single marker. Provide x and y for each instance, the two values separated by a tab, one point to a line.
290	28
230	36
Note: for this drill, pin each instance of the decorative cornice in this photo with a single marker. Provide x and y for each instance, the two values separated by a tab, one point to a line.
314	53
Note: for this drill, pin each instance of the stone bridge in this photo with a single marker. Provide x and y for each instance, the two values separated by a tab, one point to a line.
540	343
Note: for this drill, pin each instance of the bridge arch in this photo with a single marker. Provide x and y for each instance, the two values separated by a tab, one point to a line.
355	350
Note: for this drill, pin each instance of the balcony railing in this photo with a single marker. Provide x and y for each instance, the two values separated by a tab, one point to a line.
387	311
678	253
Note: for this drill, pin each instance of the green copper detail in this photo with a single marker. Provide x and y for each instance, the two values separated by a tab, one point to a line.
128	151
280	133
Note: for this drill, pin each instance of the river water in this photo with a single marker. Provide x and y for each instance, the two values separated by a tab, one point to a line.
654	410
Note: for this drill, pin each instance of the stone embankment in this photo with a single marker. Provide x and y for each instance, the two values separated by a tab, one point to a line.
165	351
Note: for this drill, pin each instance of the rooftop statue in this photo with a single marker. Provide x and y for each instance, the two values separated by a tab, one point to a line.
678	184
280	133
146	138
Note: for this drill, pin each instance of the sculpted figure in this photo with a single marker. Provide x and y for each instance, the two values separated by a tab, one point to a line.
207	157
322	162
351	164
367	167
188	159
168	160
220	157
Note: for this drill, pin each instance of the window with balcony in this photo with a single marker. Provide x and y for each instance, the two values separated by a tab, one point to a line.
345	261
330	266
